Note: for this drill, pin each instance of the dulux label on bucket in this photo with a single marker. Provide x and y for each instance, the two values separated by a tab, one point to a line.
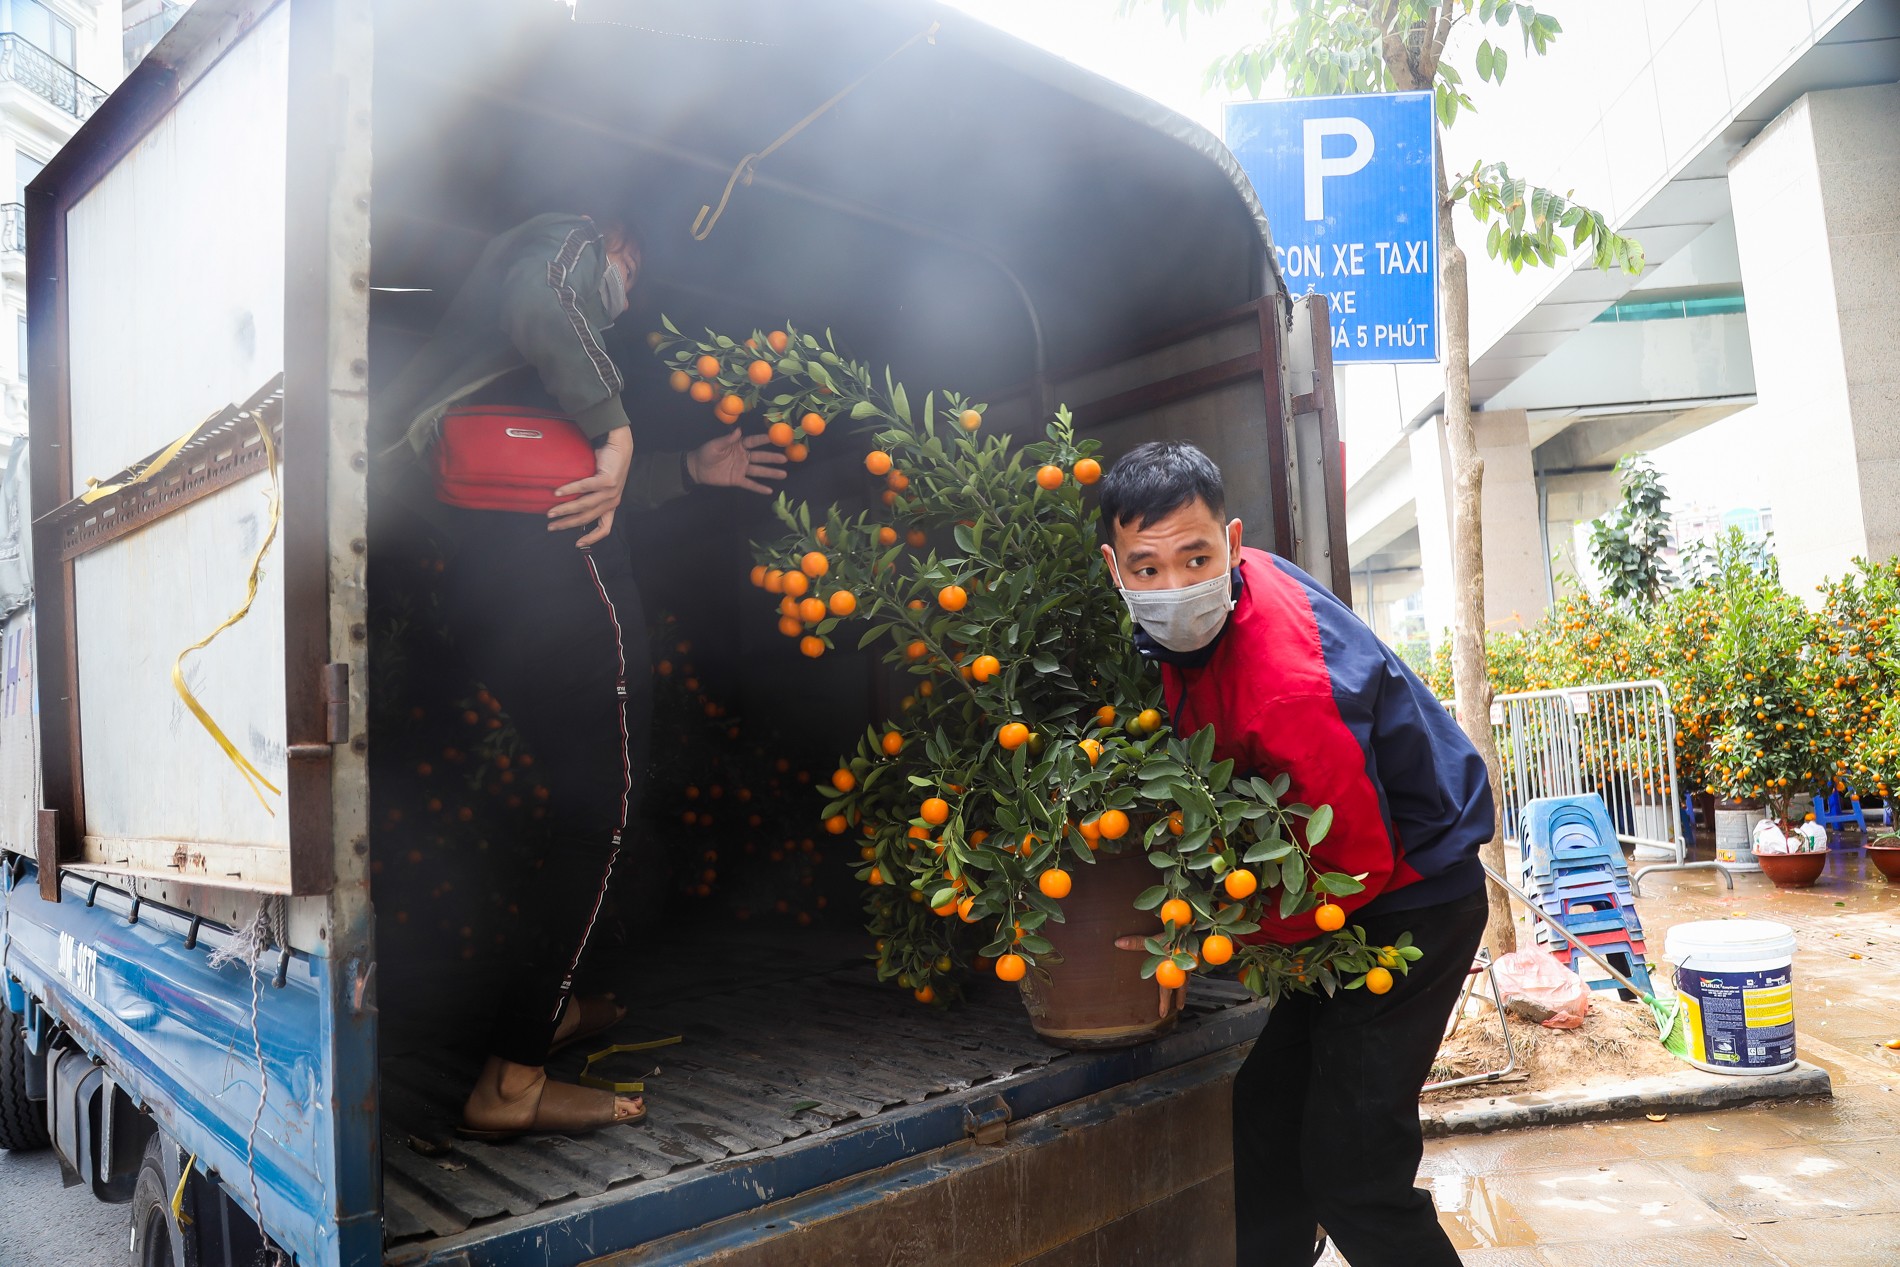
1740	1020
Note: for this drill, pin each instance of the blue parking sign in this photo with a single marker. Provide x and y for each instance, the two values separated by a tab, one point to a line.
1350	188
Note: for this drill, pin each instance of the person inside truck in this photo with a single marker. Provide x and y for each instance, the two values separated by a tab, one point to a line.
1325	1114
515	405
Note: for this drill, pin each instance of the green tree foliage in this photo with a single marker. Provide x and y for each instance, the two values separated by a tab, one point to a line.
1319	48
1028	735
1627	547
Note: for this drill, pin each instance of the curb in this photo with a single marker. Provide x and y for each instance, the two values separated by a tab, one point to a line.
1692	1091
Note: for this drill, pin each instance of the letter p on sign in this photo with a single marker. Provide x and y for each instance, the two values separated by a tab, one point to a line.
1319	167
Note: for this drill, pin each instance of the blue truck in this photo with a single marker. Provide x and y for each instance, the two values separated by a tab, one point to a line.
216	1005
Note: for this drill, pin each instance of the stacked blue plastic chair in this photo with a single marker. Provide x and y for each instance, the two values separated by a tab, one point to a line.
1574	868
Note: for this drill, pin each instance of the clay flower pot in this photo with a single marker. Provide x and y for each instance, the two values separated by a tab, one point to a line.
1793	870
1887	858
1095	996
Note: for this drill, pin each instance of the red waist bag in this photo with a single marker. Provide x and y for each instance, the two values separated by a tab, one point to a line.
502	457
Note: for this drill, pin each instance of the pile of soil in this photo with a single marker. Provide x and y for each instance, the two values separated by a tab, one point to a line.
1616	1043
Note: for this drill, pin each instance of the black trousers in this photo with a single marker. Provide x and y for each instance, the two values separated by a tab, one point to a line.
1326	1129
558	635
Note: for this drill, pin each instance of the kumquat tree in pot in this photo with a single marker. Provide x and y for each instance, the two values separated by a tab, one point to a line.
1860	636
1762	681
1029	758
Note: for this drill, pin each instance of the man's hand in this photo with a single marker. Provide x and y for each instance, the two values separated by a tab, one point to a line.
736	460
1171	1000
596	497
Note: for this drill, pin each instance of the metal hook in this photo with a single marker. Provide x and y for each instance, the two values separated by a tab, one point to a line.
132	915
191	933
92	894
283	968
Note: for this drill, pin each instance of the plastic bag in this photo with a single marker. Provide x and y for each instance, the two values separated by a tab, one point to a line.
1554	996
1807	838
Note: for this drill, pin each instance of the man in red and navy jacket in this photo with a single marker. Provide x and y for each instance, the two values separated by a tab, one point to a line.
1326	1130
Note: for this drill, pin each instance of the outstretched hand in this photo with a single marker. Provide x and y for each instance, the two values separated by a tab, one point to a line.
1171	1000
736	460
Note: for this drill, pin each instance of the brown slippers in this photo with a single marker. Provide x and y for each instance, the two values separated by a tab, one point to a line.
545	1107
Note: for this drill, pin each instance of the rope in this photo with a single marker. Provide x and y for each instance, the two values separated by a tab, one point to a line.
703	227
588	1078
247	947
178	1195
95	490
252	776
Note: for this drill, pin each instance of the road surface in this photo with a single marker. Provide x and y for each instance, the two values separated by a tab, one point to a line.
45	1225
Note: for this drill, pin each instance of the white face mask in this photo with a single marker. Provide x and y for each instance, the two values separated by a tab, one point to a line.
613	291
1184	619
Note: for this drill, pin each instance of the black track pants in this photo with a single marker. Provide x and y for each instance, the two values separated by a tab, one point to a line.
1326	1130
557	634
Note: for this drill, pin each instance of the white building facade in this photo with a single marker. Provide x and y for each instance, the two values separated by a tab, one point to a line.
1753	147
58	59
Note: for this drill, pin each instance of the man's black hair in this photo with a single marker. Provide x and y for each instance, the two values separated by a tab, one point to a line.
1153	480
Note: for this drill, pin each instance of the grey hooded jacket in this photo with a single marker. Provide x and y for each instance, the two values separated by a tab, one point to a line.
535	298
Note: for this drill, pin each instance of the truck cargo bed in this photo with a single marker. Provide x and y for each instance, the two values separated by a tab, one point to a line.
778	1086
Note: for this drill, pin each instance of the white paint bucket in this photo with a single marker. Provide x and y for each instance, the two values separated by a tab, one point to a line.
1735	980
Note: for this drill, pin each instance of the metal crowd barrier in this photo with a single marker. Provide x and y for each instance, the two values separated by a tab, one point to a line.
1618	740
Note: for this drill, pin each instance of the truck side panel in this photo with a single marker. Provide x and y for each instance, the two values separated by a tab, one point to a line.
175	275
178	1037
200	250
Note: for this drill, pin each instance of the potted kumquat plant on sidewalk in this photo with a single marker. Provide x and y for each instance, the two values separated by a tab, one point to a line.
1860	618
1028	803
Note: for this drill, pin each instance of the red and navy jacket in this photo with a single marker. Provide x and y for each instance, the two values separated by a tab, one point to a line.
1296	684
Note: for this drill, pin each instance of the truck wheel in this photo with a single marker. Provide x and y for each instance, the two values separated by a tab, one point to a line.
156	1238
22	1121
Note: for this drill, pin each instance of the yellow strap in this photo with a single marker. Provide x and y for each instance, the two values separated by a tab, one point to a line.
589	1078
253	777
703	227
178	1197
95	490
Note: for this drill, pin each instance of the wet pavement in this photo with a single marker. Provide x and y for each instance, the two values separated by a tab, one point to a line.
1813	1183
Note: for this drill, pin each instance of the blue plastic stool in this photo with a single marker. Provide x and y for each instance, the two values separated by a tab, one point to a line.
1829	813
1575	870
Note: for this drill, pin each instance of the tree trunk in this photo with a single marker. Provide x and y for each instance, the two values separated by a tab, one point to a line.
1415	68
1470	680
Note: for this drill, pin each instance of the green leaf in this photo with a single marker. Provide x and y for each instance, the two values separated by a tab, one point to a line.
1293	873
1318	825
1338	884
1268	851
1446	108
863	409
1290	898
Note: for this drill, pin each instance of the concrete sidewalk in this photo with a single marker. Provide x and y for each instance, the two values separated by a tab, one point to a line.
1805	1184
